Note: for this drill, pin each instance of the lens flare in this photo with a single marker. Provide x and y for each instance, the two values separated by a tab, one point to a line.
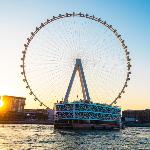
1	103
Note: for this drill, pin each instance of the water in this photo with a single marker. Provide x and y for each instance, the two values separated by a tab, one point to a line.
44	137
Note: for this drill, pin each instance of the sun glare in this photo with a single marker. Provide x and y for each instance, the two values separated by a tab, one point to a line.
1	103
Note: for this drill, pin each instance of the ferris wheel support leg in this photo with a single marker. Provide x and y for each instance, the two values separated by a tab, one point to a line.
78	67
70	85
82	85
83	81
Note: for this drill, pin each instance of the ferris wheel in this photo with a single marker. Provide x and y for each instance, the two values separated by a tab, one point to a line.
61	43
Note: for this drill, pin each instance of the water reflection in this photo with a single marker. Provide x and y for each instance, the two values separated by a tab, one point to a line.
44	137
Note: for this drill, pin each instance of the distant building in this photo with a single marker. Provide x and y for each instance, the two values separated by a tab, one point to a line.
13	103
142	116
39	114
50	114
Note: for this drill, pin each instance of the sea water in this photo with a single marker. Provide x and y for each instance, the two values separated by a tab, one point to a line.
45	137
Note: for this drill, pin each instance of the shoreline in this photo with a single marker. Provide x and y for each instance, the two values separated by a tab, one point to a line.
28	122
51	123
137	125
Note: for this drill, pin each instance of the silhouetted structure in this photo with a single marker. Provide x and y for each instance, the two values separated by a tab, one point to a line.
141	116
36	114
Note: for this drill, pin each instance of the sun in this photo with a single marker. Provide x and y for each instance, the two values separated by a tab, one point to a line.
1	103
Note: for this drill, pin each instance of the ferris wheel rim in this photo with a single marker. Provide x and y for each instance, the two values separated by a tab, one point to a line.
82	15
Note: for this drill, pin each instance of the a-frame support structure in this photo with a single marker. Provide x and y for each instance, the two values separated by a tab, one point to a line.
78	67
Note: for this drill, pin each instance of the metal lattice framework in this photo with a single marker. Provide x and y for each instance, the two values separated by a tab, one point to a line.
69	15
87	111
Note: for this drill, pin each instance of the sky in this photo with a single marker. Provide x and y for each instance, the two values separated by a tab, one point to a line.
130	17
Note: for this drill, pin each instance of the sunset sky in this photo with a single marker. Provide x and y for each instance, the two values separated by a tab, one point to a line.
130	17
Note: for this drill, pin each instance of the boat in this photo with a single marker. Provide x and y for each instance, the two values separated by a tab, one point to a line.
86	115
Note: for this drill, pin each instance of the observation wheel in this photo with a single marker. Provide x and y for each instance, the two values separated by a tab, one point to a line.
53	48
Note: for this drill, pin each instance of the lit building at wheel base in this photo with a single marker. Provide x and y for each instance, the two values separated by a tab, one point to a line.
85	115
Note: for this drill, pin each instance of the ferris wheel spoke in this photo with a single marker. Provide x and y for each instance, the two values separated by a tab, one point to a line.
50	56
